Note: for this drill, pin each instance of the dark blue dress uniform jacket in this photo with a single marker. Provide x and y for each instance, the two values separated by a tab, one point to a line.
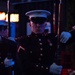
8	49
67	55
37	53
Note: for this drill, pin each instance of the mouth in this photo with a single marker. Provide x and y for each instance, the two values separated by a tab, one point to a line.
38	28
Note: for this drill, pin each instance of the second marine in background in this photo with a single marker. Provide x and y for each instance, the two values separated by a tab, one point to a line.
36	52
8	49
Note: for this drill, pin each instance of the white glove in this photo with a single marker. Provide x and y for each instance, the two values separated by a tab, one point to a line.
8	62
65	36
72	73
55	69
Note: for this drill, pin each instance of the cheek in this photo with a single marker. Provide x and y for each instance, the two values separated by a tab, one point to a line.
32	25
43	26
6	31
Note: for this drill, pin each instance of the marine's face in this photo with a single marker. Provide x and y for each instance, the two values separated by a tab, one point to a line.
38	25
4	31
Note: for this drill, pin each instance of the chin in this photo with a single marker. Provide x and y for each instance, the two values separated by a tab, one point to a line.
39	32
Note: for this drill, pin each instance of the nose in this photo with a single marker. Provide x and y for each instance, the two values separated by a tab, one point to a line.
38	24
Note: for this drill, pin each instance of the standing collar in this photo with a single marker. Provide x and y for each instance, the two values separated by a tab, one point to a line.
33	34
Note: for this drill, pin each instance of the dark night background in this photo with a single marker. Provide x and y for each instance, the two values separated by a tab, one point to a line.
67	21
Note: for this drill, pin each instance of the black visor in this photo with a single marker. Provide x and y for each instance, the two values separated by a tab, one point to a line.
39	20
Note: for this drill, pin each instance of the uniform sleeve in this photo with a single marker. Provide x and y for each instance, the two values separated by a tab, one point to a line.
10	47
73	35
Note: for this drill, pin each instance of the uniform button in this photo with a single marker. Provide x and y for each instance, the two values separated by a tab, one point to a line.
50	44
46	67
30	51
41	49
39	39
40	43
41	54
41	66
28	36
36	35
1	62
37	65
39	59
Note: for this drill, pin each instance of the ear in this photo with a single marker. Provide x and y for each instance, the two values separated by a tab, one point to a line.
29	24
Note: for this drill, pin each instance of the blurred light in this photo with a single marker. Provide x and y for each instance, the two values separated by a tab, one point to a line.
2	16
13	17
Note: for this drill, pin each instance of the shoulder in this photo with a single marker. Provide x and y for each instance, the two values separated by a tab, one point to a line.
73	34
22	38
7	43
52	35
11	39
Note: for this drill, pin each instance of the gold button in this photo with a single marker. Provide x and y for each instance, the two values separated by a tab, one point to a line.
30	51
41	66
41	54
40	43
36	35
36	65
28	36
50	44
1	62
41	49
39	59
39	39
46	67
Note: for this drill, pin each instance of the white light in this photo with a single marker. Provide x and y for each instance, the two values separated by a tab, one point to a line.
13	17
2	16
